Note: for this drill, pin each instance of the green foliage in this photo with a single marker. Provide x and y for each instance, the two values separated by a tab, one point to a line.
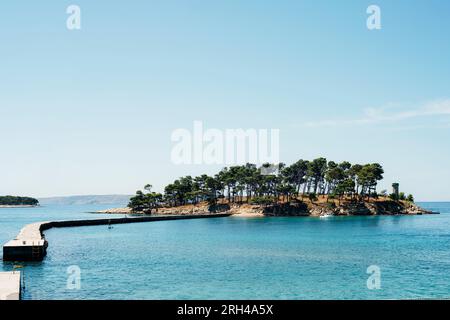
330	205
262	200
260	185
18	201
312	197
145	202
345	186
394	197
316	171
401	196
368	176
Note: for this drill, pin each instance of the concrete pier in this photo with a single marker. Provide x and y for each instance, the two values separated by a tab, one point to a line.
30	243
10	288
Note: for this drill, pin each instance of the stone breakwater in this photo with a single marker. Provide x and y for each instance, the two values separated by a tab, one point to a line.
30	244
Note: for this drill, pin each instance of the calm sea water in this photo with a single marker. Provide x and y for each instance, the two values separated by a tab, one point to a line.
239	258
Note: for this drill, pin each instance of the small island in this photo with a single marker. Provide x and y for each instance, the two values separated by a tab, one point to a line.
17	202
305	188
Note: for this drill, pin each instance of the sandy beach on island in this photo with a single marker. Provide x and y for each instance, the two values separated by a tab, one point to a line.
249	215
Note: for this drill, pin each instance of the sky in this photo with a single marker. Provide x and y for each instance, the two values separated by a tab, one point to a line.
91	111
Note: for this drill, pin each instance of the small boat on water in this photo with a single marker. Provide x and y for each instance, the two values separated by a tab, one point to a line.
328	215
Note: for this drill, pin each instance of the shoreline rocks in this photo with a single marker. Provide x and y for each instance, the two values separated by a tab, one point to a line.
19	206
294	208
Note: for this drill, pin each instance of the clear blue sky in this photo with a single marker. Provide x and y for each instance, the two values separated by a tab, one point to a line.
91	111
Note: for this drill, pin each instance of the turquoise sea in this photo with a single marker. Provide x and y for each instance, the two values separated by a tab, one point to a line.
239	258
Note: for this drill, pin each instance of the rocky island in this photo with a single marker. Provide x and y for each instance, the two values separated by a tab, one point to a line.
380	206
17	202
305	188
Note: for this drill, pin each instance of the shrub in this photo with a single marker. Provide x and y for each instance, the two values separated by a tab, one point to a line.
261	200
331	205
312	197
393	196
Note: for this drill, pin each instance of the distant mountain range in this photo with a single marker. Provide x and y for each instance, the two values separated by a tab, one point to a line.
116	199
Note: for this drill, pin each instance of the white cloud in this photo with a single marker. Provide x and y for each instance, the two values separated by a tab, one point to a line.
389	114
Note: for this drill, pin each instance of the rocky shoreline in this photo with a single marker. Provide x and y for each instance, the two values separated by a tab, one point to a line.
296	208
18	206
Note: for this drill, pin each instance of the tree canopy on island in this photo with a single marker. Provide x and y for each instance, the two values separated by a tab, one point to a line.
260	185
17	201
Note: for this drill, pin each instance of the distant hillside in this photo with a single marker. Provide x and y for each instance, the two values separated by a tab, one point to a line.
91	199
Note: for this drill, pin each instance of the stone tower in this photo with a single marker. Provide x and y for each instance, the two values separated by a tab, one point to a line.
395	190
